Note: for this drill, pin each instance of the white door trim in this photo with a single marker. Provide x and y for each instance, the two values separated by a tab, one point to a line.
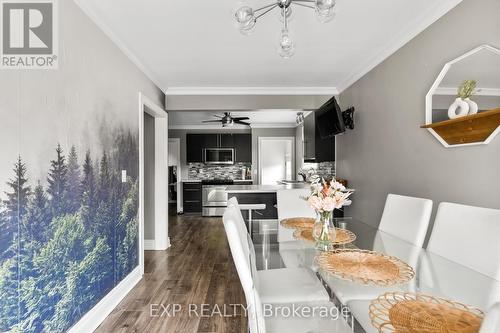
279	138
177	142
161	240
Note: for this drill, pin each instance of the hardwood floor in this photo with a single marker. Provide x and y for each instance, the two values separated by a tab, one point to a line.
197	269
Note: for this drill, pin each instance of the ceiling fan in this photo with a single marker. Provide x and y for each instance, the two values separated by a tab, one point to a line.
227	120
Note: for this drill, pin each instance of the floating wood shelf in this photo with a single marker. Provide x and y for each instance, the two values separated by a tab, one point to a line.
475	128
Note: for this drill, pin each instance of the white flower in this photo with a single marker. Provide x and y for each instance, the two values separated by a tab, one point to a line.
338	187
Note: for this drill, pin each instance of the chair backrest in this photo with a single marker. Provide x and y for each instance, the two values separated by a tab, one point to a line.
406	218
292	204
491	322
242	228
245	264
468	235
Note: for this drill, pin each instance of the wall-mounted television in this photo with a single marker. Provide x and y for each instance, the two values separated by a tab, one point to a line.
329	119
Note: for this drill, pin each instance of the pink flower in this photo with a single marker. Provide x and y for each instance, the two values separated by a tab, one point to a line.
329	204
315	203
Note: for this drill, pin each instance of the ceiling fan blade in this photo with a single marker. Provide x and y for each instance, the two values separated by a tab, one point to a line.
216	115
211	121
241	118
241	122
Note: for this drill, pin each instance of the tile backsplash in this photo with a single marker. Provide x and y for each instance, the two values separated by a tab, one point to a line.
203	171
325	169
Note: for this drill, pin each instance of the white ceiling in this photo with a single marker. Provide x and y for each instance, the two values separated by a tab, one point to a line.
258	118
195	44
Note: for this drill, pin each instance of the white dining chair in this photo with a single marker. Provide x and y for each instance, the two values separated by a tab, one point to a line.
406	217
491	322
258	321
291	203
282	285
469	236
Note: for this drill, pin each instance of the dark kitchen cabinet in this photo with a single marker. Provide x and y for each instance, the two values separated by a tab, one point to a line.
243	148
226	140
242	144
195	143
192	197
317	150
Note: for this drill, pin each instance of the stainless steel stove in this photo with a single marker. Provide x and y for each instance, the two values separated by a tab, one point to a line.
214	196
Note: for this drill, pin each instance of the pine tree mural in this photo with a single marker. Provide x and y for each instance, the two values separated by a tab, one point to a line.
73	191
65	246
57	182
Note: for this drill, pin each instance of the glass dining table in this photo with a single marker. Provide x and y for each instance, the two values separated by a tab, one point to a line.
434	275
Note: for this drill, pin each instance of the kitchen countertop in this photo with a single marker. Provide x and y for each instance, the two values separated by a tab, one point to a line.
264	188
199	180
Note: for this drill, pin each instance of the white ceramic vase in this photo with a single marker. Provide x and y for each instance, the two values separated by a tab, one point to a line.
472	106
457	109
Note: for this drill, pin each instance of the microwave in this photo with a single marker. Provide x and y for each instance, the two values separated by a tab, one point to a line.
218	156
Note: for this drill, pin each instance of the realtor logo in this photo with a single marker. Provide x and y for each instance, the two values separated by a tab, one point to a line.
29	34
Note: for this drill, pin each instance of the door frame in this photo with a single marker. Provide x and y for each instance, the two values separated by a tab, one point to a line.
177	142
277	138
161	241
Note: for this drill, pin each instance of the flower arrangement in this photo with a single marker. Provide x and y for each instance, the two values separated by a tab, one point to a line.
327	196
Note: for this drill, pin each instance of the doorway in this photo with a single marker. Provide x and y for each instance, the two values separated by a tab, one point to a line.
276	159
174	176
153	173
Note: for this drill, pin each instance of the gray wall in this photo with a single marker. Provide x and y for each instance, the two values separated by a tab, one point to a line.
149	177
388	152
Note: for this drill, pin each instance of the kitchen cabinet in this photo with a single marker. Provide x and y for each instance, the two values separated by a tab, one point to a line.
243	148
192	197
242	144
316	150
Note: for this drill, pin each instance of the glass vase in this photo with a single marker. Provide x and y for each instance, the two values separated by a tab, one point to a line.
324	231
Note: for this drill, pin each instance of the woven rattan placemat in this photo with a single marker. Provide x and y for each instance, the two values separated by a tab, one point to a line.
298	223
365	267
412	313
342	237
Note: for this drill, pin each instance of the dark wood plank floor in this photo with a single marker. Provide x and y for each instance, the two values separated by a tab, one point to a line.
197	269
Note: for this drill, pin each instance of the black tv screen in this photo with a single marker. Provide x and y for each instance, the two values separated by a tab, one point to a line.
329	119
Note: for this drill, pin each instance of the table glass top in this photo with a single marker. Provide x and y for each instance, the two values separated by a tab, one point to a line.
434	275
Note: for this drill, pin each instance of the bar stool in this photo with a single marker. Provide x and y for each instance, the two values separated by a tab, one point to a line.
250	208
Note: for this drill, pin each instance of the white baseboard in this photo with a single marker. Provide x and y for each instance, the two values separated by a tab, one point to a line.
92	319
149	245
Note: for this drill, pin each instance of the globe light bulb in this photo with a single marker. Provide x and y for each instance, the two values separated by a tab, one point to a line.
243	15
325	16
323	5
286	45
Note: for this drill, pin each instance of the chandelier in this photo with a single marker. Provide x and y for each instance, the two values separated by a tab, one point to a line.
246	18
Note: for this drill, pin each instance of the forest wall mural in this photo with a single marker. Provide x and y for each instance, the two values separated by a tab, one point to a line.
68	224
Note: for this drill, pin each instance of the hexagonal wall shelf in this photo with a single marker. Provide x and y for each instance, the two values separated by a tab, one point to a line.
483	65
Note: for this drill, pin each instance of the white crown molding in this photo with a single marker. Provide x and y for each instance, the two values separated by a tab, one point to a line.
451	91
416	27
235	127
92	319
226	91
118	42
